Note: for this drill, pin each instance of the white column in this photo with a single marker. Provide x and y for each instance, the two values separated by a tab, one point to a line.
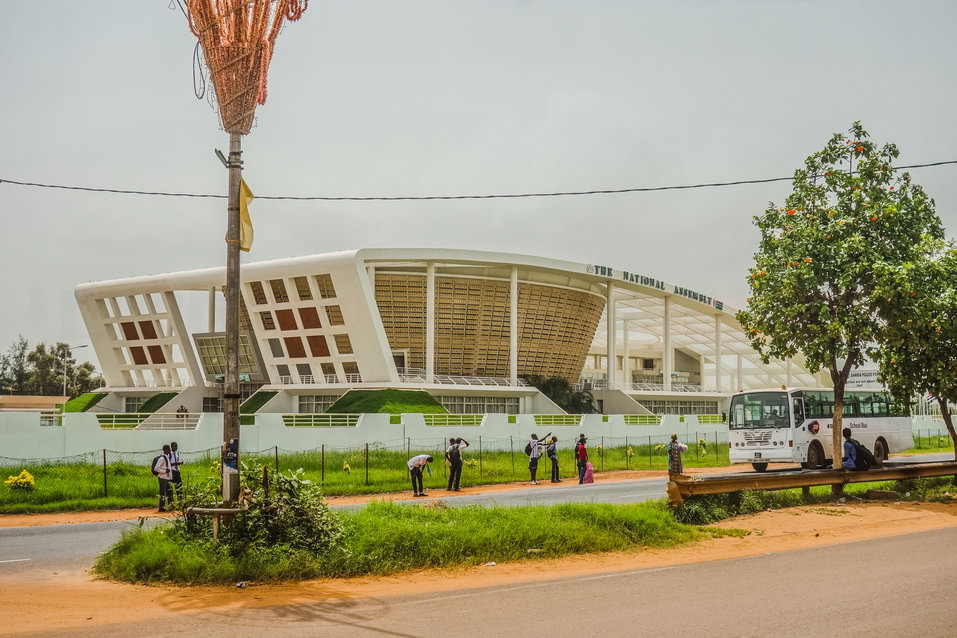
610	329
717	353
429	322
740	372
513	327
212	310
626	358
789	376
667	355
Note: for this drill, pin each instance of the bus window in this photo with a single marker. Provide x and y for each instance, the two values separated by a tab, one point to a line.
760	410
797	405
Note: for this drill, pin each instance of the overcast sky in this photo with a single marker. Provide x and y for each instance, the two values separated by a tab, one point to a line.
407	97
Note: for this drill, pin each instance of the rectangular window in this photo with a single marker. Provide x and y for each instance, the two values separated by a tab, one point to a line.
343	344
318	345
283	370
295	348
310	317
268	323
334	313
259	295
133	404
326	289
328	369
350	367
278	290
287	320
276	348
316	404
305	373
302	288
211	404
648	364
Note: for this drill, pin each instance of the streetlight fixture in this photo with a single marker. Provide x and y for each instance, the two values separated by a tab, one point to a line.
65	353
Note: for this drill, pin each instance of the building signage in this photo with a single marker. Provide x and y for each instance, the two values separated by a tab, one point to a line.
651	282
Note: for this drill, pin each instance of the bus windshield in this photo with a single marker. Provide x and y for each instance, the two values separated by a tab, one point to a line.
759	410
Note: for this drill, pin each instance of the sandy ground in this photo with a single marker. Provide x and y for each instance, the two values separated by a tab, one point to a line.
65	518
57	603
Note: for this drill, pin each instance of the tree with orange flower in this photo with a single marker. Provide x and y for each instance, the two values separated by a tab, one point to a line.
850	216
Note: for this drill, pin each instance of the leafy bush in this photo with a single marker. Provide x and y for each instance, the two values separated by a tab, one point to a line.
23	481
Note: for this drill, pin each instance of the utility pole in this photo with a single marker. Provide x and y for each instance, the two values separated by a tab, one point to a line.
231	394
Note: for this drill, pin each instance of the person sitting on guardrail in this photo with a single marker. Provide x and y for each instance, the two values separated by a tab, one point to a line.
675	448
416	463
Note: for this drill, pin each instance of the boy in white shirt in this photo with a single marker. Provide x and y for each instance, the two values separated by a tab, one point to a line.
416	463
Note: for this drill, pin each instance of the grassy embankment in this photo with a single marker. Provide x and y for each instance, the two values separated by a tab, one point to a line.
79	486
386	402
387	538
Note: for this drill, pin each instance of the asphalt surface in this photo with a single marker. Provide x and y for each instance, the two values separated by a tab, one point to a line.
896	586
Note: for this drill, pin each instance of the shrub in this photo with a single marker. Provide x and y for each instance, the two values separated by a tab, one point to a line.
23	481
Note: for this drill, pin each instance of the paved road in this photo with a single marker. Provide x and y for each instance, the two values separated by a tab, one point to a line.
900	586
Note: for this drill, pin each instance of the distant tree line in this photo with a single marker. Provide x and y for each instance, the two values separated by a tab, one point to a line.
563	394
40	371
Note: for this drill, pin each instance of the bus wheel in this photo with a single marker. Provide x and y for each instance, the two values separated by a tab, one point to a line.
815	456
759	467
880	452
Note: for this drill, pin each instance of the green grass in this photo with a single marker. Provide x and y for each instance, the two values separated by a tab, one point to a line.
83	402
386	401
155	402
131	483
252	405
387	539
931	441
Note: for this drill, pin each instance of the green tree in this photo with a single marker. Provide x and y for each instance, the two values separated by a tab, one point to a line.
918	349
44	377
561	392
18	369
849	215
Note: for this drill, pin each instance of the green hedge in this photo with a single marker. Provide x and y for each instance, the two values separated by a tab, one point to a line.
386	401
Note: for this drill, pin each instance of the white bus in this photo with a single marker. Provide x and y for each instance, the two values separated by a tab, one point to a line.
793	425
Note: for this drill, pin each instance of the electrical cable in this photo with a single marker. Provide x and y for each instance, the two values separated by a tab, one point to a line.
615	191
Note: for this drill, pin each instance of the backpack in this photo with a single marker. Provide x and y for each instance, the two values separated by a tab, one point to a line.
153	465
528	449
455	454
865	459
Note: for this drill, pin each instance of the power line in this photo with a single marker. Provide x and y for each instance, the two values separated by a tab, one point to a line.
610	191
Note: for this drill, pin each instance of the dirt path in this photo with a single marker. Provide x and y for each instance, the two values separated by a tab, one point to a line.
65	518
72	600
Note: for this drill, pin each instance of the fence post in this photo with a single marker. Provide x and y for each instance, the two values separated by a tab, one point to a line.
480	456
367	462
105	490
322	465
276	450
716	448
627	458
651	460
602	455
511	452
697	448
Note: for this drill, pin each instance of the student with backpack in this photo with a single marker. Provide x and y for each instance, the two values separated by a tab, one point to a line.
163	470
581	458
453	457
552	451
856	456
534	452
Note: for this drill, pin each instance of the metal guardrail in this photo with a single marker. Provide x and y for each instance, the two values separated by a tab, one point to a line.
641	419
157	420
681	486
601	384
320	420
558	419
453	420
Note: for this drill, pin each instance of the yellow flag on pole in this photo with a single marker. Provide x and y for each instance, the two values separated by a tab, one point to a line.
245	223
